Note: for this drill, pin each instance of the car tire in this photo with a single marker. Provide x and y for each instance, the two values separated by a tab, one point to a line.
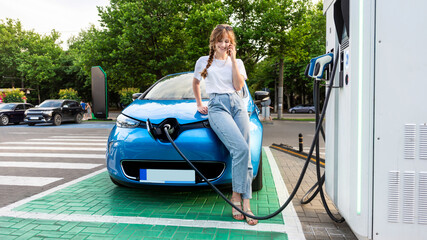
31	124
57	119
4	120
78	118
310	111
257	182
293	111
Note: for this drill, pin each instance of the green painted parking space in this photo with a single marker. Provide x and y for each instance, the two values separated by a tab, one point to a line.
99	196
95	208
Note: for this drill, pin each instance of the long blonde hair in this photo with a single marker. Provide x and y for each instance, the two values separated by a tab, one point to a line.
216	35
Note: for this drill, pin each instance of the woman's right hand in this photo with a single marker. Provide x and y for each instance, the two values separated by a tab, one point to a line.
202	109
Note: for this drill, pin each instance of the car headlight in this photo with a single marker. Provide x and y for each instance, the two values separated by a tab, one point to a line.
126	122
49	113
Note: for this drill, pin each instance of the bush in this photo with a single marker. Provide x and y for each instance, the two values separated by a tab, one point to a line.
14	95
69	93
126	95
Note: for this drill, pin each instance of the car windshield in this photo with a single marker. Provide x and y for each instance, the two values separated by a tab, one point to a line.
7	106
51	104
175	87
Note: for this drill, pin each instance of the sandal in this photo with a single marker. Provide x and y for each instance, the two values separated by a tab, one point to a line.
249	220
236	214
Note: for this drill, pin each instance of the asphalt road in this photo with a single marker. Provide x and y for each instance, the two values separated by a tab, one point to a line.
34	159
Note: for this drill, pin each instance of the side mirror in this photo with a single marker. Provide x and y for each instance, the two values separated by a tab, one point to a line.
136	96
36	106
65	106
262	95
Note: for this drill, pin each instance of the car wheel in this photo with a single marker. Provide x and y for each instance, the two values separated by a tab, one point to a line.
4	120
31	124
57	119
257	182
310	111
78	118
293	111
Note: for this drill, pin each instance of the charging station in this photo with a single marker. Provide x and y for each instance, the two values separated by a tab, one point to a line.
376	121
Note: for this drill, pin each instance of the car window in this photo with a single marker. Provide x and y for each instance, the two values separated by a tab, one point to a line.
7	106
73	104
27	106
50	103
20	107
175	87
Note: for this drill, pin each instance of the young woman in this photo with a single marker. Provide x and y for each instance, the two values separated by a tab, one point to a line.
224	76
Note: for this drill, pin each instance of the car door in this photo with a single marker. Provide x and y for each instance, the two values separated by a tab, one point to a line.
66	111
18	115
74	108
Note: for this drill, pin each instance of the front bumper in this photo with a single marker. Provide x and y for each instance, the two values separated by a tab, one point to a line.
132	149
38	119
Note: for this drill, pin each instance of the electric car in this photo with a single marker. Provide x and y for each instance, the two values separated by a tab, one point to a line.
139	152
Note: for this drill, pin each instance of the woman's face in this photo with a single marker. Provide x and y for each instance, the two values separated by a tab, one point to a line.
221	46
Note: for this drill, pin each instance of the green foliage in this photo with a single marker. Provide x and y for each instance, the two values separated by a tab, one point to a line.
69	93
14	95
141	41
126	95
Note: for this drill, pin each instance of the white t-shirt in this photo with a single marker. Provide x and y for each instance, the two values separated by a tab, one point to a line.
220	75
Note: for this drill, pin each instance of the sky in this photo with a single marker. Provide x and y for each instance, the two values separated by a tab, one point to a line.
67	17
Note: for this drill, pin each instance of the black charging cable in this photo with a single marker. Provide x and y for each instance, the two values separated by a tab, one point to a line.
303	171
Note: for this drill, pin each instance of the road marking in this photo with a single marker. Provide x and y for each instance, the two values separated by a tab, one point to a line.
54	148
54	143
290	216
56	165
51	155
27	181
69	139
80	136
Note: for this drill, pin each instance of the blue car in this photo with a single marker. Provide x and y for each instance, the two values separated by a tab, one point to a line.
137	155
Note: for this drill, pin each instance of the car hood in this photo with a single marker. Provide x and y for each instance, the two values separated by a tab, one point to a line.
185	111
43	109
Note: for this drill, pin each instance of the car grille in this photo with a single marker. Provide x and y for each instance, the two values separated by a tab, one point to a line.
211	170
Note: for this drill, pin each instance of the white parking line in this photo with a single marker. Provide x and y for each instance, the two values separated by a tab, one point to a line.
54	148
80	136
56	165
54	143
69	139
52	155
27	181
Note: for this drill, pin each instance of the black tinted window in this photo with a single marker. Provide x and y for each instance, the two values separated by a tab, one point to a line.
175	87
20	107
73	104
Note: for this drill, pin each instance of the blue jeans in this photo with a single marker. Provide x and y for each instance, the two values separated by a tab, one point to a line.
230	121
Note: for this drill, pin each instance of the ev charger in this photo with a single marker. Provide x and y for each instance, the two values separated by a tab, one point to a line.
376	121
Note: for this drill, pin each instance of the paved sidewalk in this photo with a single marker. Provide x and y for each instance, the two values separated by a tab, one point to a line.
315	221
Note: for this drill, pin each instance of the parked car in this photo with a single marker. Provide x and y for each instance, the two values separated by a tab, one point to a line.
303	108
135	158
55	111
13	112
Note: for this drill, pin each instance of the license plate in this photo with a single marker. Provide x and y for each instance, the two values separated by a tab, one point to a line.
34	118
167	176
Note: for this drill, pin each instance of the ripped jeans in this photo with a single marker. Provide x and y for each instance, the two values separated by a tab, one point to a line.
230	121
